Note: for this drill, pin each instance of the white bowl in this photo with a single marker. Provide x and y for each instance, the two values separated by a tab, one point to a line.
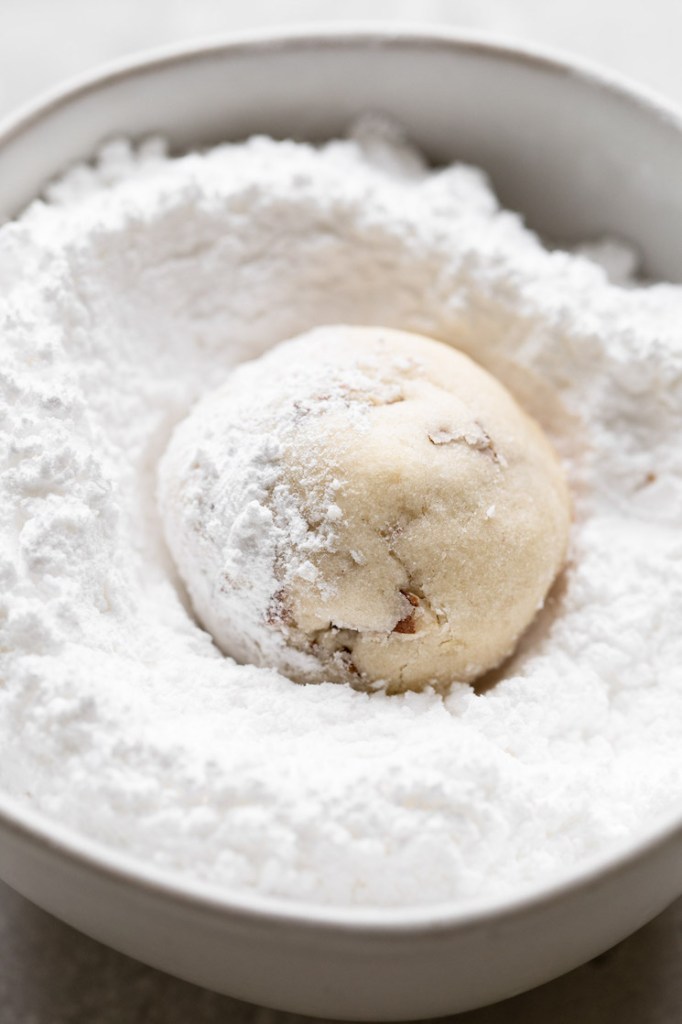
579	154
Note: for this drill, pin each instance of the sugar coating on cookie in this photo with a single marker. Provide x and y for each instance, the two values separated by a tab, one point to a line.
362	505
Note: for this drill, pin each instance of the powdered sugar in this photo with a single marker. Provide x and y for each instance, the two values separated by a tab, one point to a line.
132	292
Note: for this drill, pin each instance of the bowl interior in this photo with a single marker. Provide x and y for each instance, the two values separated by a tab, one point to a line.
578	155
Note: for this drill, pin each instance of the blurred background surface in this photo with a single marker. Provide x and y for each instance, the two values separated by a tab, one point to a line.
50	974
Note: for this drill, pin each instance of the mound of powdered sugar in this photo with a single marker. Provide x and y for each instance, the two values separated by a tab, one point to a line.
130	291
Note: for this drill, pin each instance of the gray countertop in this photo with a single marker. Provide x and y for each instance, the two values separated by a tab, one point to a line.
49	974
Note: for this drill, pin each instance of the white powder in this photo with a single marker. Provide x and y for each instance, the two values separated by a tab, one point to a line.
134	289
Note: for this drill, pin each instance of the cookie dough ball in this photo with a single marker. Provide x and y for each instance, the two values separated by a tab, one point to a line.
365	506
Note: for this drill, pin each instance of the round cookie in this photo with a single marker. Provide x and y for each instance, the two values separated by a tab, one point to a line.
364	505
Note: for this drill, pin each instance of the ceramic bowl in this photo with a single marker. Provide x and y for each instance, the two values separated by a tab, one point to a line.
580	154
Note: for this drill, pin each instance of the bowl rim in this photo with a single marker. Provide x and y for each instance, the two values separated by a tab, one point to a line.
36	828
315	36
